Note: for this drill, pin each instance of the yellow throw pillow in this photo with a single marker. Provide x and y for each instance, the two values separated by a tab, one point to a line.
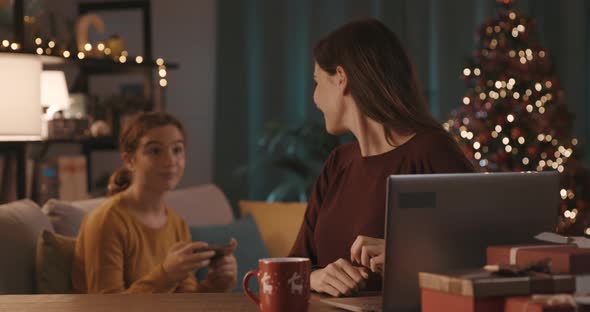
278	223
53	269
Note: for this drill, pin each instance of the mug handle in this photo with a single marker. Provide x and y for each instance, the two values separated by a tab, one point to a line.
247	277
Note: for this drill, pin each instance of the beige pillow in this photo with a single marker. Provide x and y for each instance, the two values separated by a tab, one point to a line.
20	224
64	217
55	254
278	223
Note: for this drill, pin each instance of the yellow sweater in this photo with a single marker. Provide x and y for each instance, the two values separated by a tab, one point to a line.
116	253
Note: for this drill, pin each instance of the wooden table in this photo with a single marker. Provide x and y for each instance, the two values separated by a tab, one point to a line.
139	303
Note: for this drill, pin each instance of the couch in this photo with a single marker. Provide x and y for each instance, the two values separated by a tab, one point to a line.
205	208
21	223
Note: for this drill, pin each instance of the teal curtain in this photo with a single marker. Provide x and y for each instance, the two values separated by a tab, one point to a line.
264	65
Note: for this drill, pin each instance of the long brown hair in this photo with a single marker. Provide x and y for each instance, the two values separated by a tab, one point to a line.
381	77
129	140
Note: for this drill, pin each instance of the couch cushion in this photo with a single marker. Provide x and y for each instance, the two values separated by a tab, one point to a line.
55	254
20	224
278	223
203	204
65	217
250	245
198	205
88	205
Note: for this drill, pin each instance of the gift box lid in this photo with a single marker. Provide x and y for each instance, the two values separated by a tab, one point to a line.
564	258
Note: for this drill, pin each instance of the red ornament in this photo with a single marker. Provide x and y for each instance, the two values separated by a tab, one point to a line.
532	150
516	132
501	157
484	137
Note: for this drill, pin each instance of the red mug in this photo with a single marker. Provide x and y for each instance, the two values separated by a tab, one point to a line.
284	284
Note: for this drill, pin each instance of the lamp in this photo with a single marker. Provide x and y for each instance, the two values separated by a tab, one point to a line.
20	89
54	91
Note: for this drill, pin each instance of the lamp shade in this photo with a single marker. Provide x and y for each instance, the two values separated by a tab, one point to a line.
54	91
20	97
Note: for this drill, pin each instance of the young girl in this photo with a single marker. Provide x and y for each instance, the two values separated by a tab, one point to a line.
365	84
135	243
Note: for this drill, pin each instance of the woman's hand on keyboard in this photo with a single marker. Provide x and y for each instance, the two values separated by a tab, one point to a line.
339	278
369	252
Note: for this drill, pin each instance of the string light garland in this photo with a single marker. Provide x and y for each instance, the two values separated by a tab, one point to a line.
42	46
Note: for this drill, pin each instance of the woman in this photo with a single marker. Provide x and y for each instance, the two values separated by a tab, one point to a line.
134	243
365	84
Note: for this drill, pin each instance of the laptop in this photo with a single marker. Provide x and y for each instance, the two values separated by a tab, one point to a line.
441	222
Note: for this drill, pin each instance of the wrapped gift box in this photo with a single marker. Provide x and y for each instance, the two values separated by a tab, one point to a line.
483	284
479	290
438	301
555	303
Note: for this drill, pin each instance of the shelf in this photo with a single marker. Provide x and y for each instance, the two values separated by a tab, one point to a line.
100	143
83	69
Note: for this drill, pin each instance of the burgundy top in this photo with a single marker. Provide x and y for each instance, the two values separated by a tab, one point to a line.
348	198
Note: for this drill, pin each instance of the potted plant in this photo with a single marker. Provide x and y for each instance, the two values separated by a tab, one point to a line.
298	152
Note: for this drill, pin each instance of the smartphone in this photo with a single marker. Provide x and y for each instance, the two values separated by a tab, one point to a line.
220	250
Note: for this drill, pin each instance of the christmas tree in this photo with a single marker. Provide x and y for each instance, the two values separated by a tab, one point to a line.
513	115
